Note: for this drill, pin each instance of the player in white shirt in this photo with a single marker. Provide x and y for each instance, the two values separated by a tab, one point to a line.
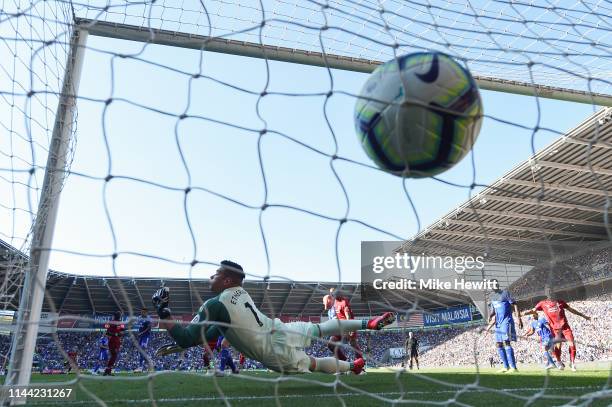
279	346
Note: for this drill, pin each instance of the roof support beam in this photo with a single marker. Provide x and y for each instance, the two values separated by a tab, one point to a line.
600	144
535	201
369	308
310	297
466	248
142	303
66	294
264	295
49	286
457	244
353	294
110	290
282	308
91	303
571	167
482	236
518	229
518	215
556	187
190	288
527	254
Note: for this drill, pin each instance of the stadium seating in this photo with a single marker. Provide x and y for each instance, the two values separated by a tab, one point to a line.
447	346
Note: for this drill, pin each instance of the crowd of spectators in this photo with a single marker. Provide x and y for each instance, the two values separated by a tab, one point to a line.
447	346
470	345
571	272
86	345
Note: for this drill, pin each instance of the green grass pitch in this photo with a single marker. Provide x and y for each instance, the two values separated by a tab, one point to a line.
530	386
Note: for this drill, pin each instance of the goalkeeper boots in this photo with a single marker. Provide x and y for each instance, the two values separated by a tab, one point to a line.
358	366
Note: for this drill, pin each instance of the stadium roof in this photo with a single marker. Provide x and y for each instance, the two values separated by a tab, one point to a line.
550	205
77	294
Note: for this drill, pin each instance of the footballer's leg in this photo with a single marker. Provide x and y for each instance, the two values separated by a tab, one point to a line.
502	356
557	353
510	355
230	363
335	349
510	336
355	345
501	335
547	348
569	337
143	342
206	359
558	342
340	327
333	365
111	362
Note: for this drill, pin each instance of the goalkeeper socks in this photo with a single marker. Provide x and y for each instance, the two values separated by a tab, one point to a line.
341	326
572	351
332	365
510	357
502	356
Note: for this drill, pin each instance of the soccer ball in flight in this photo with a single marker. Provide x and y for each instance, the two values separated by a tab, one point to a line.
418	115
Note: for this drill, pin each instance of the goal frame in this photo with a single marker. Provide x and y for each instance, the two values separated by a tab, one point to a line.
25	331
299	56
32	294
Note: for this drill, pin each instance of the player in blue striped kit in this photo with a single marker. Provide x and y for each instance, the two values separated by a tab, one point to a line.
502	305
144	334
102	354
542	329
225	356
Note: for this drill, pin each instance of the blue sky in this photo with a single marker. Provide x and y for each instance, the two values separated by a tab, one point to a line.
150	220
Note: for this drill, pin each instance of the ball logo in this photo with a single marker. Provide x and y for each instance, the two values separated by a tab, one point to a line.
432	74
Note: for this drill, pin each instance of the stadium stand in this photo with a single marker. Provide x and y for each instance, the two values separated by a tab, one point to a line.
460	346
578	270
444	346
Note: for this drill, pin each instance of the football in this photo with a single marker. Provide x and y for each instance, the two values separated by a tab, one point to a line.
418	115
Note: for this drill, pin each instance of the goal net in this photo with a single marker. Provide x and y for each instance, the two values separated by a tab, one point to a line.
181	133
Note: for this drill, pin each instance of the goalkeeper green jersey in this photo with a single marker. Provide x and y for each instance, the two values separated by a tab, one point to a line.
245	327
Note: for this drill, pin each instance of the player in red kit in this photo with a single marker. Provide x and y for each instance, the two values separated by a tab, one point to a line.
555	314
207	354
342	306
71	361
328	305
114	330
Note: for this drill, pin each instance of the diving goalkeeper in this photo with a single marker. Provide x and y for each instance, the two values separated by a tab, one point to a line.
279	346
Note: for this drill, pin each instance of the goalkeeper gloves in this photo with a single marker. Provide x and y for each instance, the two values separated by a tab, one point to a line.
160	300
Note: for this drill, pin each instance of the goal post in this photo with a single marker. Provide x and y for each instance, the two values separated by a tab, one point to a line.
300	56
33	291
